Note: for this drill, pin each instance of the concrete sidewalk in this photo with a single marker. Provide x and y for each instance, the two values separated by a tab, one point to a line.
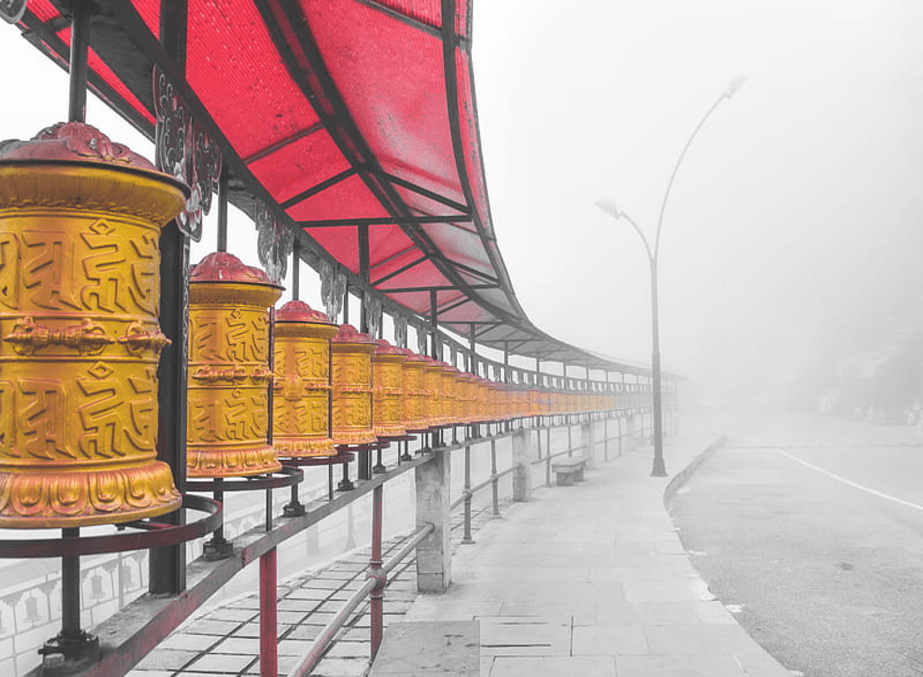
592	580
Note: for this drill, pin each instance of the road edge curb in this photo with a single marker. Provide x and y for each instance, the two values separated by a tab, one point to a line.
680	478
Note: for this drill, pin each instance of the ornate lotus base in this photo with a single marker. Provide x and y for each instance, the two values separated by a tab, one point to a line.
346	437
223	462
390	431
303	448
81	497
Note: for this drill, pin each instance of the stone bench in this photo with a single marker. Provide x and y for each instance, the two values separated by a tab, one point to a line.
569	470
429	648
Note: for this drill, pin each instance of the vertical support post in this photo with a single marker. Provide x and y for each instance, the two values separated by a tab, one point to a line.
466	539
364	463
631	436
222	243
434	554
167	566
494	478
435	350
296	269
72	648
588	433
377	603
570	441
269	659
606	437
620	435
70	590
79	60
522	468
548	467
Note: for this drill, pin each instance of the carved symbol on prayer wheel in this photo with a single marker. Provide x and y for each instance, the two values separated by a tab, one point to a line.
301	404
80	221
447	398
388	390
414	392
352	387
229	377
432	392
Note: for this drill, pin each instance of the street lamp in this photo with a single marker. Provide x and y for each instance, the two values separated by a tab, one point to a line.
610	208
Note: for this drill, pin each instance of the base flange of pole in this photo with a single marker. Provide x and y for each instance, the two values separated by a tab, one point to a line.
63	655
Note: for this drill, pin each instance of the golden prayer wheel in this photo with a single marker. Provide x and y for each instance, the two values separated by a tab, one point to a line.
388	390
482	402
497	393
464	391
80	221
432	392
414	392
448	397
352	387
301	401
228	393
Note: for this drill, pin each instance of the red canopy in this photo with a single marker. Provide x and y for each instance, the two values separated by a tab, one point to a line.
348	117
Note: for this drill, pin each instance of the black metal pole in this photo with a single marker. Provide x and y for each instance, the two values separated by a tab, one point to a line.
70	591
223	210
79	60
167	566
296	270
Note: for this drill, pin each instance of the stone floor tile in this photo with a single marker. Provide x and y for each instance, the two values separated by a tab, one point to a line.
554	666
209	626
284	665
347	649
238	645
302	606
666	591
696	640
137	672
315	594
166	659
524	637
671	666
713	613
293	647
189	642
614	613
229	614
341	667
610	640
221	664
668	613
304	632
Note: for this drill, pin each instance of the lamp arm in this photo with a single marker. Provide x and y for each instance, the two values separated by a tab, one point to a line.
640	234
663	205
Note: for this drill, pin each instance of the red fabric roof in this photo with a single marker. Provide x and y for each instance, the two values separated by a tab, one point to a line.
339	110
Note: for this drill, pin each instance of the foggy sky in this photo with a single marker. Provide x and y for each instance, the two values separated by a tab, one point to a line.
795	215
794	219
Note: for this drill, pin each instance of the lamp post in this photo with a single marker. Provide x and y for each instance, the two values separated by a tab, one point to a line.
610	208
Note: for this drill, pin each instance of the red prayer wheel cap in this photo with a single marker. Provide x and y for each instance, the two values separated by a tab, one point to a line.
299	311
72	142
224	267
414	357
349	334
385	348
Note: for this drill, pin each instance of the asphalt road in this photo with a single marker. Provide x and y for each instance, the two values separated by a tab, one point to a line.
815	530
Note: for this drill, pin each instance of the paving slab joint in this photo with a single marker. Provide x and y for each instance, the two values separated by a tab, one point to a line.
680	478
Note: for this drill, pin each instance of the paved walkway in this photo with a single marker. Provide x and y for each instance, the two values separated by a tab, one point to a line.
592	580
587	580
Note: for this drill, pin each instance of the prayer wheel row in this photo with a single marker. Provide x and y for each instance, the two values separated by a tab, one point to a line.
80	345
